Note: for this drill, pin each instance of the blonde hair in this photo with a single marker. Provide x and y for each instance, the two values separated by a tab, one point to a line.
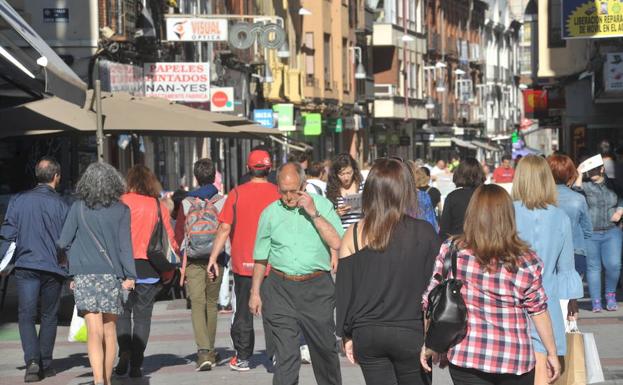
420	177
534	183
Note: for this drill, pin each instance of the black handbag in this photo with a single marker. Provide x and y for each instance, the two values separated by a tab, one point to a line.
447	313
158	247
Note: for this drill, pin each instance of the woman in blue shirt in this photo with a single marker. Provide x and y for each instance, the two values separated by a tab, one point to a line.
547	229
574	204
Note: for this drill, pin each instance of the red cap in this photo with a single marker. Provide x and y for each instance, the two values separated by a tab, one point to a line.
259	160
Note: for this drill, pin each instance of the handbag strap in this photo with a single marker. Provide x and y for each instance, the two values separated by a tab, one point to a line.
449	262
101	248
159	212
355	233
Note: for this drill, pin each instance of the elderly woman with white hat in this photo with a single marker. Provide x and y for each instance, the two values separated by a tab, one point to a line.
604	246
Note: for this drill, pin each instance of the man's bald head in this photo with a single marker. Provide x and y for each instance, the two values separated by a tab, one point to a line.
290	178
47	170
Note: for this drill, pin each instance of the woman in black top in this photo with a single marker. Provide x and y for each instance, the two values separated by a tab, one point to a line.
467	178
387	261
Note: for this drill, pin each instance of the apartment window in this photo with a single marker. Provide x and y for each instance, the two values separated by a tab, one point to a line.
327	61
345	65
310	59
412	80
555	24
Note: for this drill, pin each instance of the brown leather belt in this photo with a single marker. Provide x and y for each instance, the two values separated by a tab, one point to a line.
297	278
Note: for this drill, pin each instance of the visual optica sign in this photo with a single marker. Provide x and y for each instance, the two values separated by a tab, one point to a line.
582	19
196	29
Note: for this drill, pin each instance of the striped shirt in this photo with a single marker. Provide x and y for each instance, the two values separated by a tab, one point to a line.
352	216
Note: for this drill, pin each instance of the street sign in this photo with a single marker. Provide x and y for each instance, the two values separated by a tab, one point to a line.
189	82
222	99
264	117
196	29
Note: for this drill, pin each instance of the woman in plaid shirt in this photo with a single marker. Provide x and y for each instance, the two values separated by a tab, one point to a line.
502	287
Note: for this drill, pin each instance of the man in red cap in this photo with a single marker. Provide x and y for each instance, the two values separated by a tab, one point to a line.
238	220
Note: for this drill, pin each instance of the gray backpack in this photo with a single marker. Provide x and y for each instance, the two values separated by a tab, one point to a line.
201	225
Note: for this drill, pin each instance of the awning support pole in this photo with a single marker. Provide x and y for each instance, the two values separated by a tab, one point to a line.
99	133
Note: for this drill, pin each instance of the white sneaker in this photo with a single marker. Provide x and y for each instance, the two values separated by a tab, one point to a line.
305	356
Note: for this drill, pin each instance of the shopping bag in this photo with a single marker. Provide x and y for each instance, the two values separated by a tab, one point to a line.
77	328
441	375
594	372
574	369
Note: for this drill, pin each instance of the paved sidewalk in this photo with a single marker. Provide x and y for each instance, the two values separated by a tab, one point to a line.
171	352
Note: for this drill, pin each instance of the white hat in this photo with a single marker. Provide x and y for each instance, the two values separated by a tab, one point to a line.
591	163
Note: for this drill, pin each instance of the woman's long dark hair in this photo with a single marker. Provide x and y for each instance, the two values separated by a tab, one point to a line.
387	196
333	184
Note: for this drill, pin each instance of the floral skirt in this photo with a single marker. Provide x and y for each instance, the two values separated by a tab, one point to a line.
98	293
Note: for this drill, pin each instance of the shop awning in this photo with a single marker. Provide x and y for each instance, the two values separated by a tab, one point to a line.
486	146
123	112
463	143
31	64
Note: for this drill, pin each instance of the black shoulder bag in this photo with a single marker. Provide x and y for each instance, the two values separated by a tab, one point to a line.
158	247
447	313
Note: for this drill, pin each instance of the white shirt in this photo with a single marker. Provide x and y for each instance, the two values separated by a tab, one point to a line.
322	186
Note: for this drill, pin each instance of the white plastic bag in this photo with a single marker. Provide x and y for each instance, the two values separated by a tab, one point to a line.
77	328
594	372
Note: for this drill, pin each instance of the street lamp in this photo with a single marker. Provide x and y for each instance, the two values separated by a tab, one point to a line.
440	64
430	104
459	72
407	38
360	71
304	12
284	50
440	86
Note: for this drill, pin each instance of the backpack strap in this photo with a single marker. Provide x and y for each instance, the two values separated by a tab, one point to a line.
449	262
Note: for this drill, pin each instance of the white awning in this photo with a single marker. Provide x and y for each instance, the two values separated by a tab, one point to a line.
486	146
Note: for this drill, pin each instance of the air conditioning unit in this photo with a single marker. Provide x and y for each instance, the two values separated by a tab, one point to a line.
384	90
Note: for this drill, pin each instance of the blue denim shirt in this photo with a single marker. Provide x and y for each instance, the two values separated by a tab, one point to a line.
574	204
34	220
548	232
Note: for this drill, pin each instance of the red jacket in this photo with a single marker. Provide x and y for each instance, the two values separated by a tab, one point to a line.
143	219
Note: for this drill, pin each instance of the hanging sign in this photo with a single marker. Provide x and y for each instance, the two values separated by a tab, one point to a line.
285	116
313	124
222	99
592	19
189	82
613	72
196	29
264	117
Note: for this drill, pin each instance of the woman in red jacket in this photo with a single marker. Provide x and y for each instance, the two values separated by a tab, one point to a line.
142	199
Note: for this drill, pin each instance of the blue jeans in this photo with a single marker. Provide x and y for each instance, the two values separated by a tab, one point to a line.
604	247
580	264
33	285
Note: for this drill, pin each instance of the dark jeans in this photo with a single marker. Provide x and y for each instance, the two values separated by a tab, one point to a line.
242	333
465	376
389	355
291	308
33	285
133	339
580	264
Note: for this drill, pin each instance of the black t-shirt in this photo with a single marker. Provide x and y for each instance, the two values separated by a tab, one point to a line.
384	288
433	193
453	216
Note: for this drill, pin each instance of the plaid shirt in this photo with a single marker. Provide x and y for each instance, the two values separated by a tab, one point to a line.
498	304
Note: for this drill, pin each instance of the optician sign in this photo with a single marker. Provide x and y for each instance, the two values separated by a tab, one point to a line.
196	29
583	19
222	99
189	82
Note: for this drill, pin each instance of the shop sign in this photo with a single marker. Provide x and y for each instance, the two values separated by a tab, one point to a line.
335	124
222	99
244	35
189	82
313	124
285	116
196	29
613	72
56	15
118	77
264	117
535	103
589	19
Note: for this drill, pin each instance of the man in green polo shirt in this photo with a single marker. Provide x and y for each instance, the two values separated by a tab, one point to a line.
295	235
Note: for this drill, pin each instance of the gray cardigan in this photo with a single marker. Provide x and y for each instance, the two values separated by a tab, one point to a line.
111	227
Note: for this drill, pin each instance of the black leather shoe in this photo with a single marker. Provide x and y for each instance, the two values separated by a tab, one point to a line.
123	365
136	373
49	372
33	372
